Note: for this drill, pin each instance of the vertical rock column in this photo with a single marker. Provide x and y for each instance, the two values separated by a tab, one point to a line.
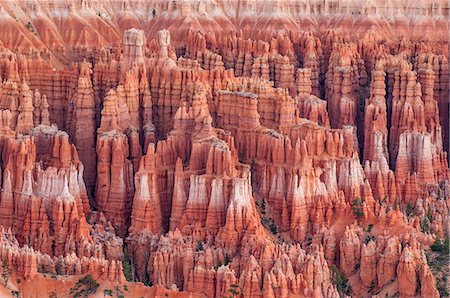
25	117
426	77
407	109
260	67
310	106
312	61
303	82
81	124
444	102
133	51
375	126
165	82
284	73
343	105
40	113
146	214
114	190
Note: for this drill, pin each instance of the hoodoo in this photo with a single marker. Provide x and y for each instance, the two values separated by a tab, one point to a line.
224	148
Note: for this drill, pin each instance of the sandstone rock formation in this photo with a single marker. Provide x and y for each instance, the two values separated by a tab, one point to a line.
216	148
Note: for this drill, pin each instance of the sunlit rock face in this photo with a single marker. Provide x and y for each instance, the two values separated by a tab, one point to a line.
215	148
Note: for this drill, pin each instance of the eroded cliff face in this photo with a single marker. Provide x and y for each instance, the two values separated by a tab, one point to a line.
216	158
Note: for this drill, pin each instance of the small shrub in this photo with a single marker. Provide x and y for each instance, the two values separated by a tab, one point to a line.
262	206
269	224
199	246
59	266
368	238
227	260
441	286
447	245
147	280
273	228
409	209
53	294
425	225
429	216
437	244
125	287
357	207
6	272
84	287
218	264
119	292
127	267
15	294
252	166
340	281
369	228
441	246
439	195
396	204
234	290
372	287
108	292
